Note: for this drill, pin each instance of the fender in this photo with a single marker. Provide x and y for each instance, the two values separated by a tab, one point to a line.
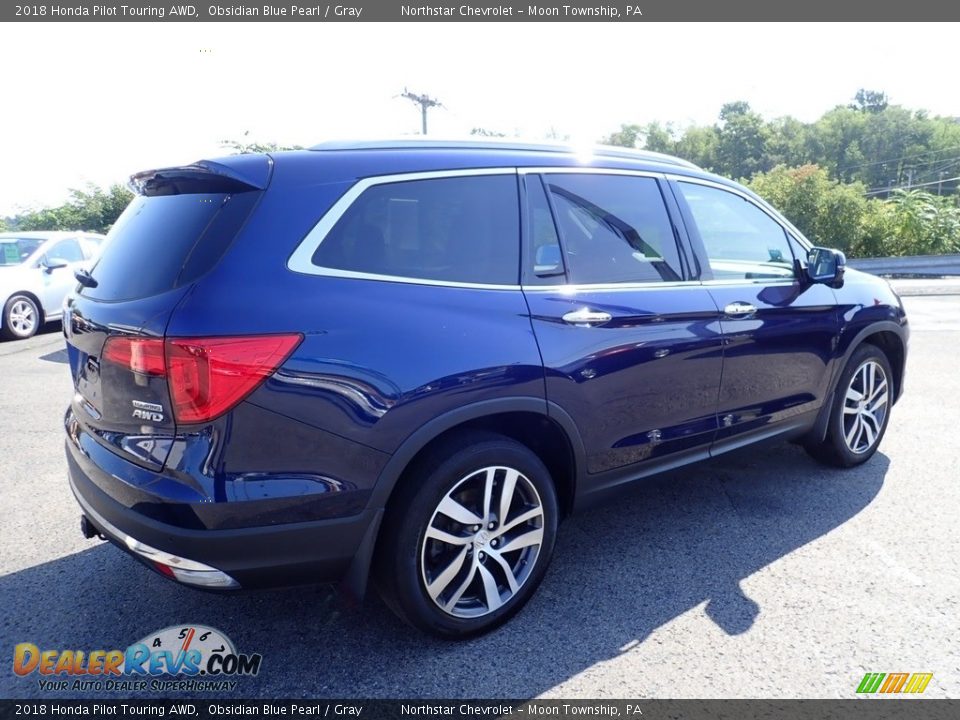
819	431
419	439
355	581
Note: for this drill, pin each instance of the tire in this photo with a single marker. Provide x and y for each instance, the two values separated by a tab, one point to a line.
445	575
857	423
21	318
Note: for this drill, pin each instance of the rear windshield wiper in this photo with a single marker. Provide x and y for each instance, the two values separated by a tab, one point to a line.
85	278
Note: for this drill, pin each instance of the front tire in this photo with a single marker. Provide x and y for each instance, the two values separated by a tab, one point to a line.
860	412
468	538
21	318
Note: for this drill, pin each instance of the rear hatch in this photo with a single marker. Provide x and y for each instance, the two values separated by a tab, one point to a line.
174	231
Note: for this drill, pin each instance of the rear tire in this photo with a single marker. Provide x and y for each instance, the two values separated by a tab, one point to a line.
21	318
860	412
468	537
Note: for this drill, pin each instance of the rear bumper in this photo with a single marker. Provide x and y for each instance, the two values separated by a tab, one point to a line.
267	556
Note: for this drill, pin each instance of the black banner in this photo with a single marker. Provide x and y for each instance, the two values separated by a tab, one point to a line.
205	709
475	11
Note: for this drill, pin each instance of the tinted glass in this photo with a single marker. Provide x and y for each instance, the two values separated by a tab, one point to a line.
615	228
741	240
14	251
65	251
161	242
544	262
461	229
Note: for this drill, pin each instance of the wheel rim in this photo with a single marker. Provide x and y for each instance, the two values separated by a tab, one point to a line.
482	542
865	407
23	317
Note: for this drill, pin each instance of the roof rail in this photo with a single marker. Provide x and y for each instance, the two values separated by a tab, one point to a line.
506	144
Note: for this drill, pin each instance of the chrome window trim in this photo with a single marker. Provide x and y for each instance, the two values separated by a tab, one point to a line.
575	170
300	260
570	289
752	281
759	203
573	288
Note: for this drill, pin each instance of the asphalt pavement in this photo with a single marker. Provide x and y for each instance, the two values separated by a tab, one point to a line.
761	574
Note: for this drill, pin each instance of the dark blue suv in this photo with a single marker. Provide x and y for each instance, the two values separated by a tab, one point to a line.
408	361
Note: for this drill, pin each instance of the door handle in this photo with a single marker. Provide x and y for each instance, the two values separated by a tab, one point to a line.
739	310
586	317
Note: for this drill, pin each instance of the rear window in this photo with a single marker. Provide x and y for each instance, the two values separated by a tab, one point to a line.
165	241
456	229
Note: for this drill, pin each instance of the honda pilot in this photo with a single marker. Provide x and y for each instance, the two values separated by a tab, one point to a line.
404	363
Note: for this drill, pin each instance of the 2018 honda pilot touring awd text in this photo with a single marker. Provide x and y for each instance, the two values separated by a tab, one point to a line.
408	361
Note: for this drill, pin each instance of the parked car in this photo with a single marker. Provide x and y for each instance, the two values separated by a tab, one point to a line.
409	361
36	273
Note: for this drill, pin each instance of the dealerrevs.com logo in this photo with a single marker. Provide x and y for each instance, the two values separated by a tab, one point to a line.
179	657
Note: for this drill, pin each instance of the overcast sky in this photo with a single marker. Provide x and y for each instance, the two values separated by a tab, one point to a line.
96	102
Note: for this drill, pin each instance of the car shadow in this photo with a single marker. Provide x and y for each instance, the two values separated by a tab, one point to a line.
619	572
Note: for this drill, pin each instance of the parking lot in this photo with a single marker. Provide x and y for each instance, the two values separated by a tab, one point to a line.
758	574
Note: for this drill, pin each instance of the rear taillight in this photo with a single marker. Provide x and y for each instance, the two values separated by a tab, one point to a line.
141	355
206	376
209	376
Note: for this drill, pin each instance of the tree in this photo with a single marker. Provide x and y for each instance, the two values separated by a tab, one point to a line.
94	209
826	211
483	132
869	101
627	136
245	145
742	140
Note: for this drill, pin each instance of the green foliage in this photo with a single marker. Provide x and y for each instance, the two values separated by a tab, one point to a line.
827	212
869	101
923	224
483	132
821	174
245	145
880	145
834	214
93	209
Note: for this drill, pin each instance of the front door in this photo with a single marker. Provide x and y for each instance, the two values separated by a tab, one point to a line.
779	330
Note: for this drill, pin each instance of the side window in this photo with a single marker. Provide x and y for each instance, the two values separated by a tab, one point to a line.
742	242
615	228
66	250
456	229
544	263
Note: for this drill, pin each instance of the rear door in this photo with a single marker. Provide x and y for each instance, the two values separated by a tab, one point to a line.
630	339
779	331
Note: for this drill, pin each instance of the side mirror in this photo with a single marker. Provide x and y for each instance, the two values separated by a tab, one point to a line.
50	265
826	266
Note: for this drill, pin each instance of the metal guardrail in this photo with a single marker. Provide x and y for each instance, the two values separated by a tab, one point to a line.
928	265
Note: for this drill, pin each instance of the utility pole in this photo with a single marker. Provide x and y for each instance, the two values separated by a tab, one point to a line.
425	102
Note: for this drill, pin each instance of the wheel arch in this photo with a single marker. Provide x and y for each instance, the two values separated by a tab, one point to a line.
891	339
543	427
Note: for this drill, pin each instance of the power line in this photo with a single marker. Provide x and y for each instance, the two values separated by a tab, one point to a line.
905	157
876	191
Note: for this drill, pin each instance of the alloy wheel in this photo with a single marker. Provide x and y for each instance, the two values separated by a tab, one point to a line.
23	317
865	407
482	542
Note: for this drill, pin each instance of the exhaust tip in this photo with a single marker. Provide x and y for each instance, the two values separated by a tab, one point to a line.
88	529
